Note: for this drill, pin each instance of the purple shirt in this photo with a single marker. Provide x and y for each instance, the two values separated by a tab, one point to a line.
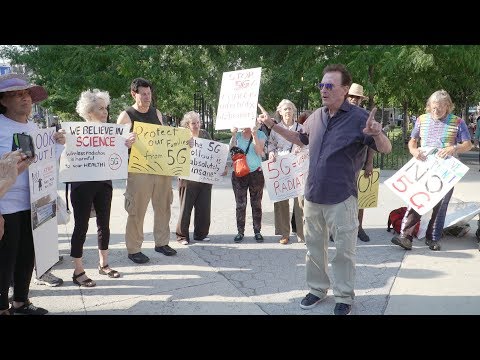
338	148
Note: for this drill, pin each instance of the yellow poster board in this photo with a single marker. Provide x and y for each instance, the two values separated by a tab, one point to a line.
160	150
368	189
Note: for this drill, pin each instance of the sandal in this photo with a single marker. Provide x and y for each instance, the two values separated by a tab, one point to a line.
87	282
111	274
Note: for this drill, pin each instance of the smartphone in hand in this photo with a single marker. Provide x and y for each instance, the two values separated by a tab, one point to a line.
24	142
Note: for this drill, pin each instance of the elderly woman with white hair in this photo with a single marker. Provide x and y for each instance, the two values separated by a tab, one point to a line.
278	145
441	129
93	107
194	194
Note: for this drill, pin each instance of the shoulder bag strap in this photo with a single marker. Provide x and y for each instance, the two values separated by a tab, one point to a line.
248	147
296	128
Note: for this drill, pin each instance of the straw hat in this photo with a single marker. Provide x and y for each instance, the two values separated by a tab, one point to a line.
356	90
14	82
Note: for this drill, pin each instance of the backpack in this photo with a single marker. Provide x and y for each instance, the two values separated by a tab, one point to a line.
395	220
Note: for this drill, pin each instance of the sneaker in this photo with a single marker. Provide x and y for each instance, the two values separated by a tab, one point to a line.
165	250
29	309
238	238
258	237
184	242
342	309
48	279
310	301
362	235
402	241
204	239
139	258
433	245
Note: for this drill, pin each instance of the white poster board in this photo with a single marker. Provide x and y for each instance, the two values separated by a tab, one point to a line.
285	178
42	174
94	151
458	213
208	159
237	105
422	184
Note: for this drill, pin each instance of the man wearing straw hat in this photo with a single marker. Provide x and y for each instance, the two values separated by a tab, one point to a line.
355	97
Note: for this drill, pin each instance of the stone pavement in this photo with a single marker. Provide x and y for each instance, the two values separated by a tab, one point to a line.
222	277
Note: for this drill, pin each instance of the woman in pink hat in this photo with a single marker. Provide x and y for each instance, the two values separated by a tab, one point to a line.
16	245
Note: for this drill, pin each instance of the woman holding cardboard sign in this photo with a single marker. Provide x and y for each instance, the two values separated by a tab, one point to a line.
251	142
194	194
92	106
440	129
278	146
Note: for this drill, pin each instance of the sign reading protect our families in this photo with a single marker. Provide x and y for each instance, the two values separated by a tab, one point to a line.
94	151
367	188
207	162
285	178
422	184
42	175
237	105
160	150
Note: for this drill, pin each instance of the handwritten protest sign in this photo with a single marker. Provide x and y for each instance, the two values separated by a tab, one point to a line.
422	184
160	150
368	189
94	151
207	161
237	105
42	175
285	178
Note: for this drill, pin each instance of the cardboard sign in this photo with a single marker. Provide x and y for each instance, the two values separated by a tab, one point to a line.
285	178
94	151
422	184
368	189
160	150
237	105
42	174
208	159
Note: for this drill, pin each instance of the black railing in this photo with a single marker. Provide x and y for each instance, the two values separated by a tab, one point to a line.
398	157
205	110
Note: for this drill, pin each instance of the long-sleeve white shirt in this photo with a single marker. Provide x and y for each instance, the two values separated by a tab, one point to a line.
278	144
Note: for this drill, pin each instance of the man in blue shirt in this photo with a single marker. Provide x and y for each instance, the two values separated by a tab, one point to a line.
338	135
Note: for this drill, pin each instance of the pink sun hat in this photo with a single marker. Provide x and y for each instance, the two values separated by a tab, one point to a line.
14	82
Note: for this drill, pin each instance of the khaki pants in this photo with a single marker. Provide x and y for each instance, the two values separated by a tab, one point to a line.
282	217
141	188
341	221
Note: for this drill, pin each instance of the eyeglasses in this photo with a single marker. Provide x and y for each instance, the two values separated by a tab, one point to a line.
328	86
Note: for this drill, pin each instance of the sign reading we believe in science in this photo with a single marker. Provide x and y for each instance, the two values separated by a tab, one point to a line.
94	151
422	184
237	105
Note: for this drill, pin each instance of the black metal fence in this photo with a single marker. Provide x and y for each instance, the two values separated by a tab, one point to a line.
205	110
399	155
